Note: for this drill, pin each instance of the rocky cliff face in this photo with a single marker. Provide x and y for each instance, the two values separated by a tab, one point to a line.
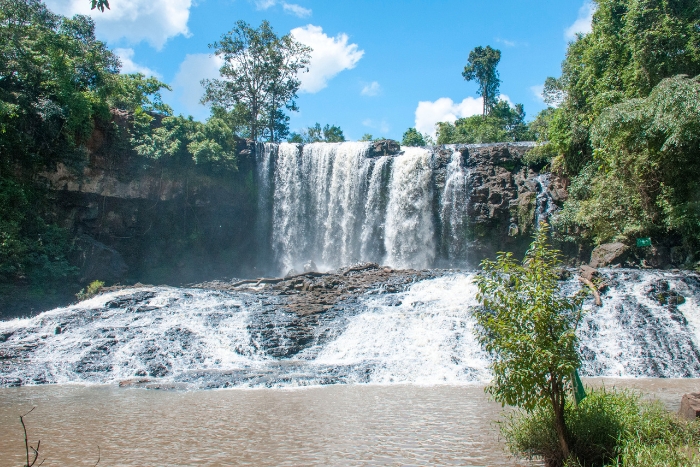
137	220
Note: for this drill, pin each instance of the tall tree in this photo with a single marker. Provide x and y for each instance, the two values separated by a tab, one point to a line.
259	72
481	67
529	328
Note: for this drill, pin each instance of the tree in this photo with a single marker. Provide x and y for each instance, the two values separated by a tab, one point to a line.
481	67
413	138
529	328
317	134
260	73
503	124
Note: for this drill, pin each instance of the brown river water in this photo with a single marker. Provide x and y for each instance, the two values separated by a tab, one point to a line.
343	425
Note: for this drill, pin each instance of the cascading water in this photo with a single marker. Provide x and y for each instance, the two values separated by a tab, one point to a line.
649	325
335	204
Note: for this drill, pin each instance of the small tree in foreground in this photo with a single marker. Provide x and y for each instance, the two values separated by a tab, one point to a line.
529	328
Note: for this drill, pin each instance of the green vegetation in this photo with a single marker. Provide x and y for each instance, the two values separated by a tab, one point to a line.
499	121
60	86
259	78
93	289
626	126
412	137
611	428
503	124
316	134
481	67
529	329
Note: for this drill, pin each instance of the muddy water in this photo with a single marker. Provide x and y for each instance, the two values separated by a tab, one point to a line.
334	425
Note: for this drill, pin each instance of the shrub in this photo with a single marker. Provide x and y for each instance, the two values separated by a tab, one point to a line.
611	428
93	289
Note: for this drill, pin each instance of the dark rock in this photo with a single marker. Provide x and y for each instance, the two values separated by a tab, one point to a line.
99	262
385	147
607	254
690	406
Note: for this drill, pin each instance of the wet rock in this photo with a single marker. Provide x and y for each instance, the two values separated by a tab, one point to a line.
588	272
97	261
607	254
385	147
690	406
310	266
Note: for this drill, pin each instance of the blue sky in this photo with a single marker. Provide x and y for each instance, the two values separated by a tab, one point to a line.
378	67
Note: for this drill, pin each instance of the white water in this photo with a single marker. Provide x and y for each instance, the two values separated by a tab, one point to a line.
336	206
423	335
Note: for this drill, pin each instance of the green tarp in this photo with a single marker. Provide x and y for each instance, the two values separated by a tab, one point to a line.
642	242
579	392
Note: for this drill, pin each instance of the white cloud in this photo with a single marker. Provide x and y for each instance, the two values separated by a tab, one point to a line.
296	10
153	21
538	91
506	42
428	113
382	126
187	87
330	56
265	4
583	23
291	8
126	56
371	89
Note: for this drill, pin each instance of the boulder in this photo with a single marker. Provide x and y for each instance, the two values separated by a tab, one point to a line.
385	147
690	406
607	254
587	272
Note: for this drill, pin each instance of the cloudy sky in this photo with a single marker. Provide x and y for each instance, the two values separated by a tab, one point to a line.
378	67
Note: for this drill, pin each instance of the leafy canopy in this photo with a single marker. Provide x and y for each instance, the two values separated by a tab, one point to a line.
259	74
529	328
503	124
646	153
413	137
317	134
481	67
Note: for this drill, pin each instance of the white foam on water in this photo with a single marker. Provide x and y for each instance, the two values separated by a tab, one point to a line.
423	336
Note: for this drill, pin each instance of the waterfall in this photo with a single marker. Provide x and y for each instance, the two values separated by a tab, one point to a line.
336	204
648	326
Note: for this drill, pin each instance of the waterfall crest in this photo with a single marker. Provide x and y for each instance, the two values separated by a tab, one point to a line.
337	204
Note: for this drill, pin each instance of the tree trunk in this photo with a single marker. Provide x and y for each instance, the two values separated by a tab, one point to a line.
558	400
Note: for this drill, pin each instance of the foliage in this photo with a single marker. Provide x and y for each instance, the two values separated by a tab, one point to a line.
607	428
481	67
259	73
316	134
31	250
633	46
54	76
504	123
92	289
529	329
413	137
645	154
183	140
366	137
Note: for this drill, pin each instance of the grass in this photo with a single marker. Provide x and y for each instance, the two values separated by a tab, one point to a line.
608	428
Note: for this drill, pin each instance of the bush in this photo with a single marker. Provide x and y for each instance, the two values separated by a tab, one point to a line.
93	289
607	428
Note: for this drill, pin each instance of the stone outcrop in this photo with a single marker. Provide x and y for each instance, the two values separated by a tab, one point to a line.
313	292
607	254
690	406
